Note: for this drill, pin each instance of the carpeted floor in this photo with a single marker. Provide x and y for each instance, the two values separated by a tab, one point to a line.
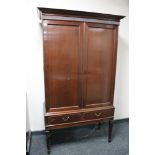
85	140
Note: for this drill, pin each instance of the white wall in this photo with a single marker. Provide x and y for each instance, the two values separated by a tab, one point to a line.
33	41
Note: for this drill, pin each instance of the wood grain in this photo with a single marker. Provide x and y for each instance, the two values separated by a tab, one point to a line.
80	52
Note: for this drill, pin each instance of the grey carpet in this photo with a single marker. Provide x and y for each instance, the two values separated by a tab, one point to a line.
85	140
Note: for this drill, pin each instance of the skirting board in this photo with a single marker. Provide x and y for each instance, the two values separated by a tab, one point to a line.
115	121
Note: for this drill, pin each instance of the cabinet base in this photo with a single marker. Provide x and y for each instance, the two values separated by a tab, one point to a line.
49	134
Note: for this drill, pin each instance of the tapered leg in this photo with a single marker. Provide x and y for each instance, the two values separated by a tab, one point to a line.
98	126
48	141
110	130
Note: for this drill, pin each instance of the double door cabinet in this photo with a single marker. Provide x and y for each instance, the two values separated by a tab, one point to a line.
79	68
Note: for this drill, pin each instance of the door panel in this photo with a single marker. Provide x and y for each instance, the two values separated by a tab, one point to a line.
63	65
99	63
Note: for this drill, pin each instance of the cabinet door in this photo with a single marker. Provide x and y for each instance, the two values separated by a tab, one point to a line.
62	59
100	57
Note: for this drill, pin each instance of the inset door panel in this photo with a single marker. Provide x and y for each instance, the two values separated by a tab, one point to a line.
99	69
63	60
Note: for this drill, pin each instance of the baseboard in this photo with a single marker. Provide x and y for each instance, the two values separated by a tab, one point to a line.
121	120
28	142
41	132
38	132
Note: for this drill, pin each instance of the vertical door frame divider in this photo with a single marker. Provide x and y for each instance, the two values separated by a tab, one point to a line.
85	60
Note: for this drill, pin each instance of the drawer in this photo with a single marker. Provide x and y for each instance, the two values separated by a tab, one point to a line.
99	114
85	115
63	119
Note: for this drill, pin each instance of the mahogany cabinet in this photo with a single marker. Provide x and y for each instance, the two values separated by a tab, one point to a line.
80	51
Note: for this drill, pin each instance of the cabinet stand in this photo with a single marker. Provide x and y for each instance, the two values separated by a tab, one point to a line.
110	130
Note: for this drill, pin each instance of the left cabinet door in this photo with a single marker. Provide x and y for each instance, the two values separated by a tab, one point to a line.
62	65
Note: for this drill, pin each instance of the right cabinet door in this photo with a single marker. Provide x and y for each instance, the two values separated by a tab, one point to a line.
99	64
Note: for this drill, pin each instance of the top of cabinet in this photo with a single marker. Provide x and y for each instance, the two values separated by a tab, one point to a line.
48	13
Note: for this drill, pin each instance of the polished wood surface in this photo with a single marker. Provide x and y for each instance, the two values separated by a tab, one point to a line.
78	123
80	51
47	13
100	49
63	64
83	115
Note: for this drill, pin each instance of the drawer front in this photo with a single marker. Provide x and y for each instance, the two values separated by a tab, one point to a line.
99	114
63	119
77	117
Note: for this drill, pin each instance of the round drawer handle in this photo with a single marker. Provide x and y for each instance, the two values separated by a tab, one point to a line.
98	114
66	118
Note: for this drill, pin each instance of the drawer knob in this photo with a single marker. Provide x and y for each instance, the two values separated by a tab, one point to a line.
98	114
66	118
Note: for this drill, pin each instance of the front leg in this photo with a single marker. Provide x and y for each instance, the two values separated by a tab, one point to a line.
48	140
99	126
110	130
